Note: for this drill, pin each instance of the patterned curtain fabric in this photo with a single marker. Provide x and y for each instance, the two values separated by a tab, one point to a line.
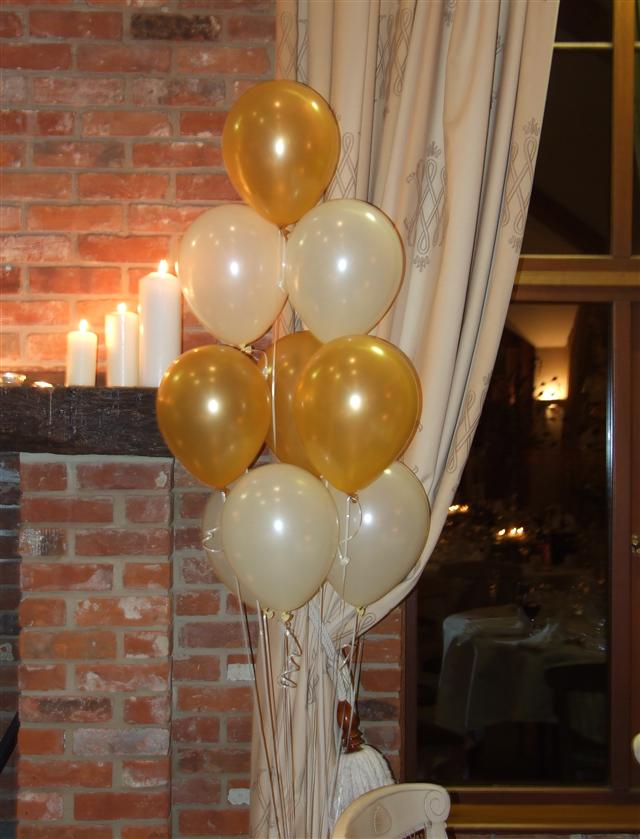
440	107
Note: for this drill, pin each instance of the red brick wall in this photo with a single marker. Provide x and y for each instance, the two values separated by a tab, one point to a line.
111	147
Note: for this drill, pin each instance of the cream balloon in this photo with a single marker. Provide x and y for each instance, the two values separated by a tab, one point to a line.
280	534
230	268
212	544
343	267
388	527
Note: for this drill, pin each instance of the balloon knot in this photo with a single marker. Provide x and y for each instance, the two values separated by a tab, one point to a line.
360	610
344	560
286	616
268	613
246	348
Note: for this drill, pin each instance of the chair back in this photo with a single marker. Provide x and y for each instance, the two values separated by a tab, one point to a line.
396	812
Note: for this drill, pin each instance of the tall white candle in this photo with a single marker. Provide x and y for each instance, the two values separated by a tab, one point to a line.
160	324
121	339
82	347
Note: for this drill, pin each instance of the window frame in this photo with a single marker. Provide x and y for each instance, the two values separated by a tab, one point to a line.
611	278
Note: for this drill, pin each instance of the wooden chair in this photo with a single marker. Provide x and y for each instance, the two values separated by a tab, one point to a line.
396	812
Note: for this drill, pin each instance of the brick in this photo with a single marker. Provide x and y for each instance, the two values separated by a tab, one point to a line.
147	710
48	312
176	155
239	729
9	279
212	634
43	806
197	668
107	217
384	680
383	651
147	575
121	805
54	123
42	477
123	677
12	155
378	709
126	124
94	310
389	625
216	187
74	510
218	699
121	185
148	831
13	122
13	89
43	347
196	822
172	92
67	645
65	831
192	504
122	611
108	542
198	603
85	155
74	280
161	218
42	542
64	773
40	611
251	28
145	773
10	219
10	25
92	91
196	730
195	791
216	760
40	741
123	248
34	56
148	509
34	248
113	741
42	676
175	27
66	577
200	59
202	123
54	24
187	537
146	644
124	58
135	476
31	185
383	736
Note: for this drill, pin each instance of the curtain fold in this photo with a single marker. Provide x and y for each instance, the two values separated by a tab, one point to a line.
440	105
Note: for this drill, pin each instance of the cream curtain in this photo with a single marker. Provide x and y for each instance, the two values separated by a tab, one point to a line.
440	105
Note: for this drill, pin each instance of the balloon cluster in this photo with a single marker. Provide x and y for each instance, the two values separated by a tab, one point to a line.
336	406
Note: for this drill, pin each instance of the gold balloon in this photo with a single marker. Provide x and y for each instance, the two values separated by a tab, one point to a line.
287	357
280	146
213	409
356	407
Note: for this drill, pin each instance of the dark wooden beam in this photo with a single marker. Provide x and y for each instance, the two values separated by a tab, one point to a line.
80	420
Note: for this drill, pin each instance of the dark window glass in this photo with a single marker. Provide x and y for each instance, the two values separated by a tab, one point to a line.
513	605
584	20
570	203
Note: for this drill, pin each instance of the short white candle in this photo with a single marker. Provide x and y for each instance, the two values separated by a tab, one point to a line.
82	347
121	339
160	308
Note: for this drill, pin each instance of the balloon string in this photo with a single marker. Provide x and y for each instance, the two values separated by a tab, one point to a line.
259	703
290	657
276	336
207	542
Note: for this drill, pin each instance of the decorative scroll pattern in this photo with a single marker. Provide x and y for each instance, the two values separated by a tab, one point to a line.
520	182
449	11
344	181
424	228
383	62
404	25
287	48
466	429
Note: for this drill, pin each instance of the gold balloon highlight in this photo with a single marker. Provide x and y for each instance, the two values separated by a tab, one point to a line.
213	409
356	408
280	146
287	357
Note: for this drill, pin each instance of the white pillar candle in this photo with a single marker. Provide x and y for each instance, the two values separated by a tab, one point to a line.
82	347
160	324
121	339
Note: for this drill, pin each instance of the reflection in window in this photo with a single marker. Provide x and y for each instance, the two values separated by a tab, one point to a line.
512	607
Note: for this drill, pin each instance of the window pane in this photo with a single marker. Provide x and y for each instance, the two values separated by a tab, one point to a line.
513	605
584	20
570	202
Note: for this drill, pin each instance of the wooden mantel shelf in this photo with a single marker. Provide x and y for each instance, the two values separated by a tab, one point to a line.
80	420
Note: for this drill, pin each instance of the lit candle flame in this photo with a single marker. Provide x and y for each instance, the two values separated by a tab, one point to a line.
122	308
163	266
83	326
